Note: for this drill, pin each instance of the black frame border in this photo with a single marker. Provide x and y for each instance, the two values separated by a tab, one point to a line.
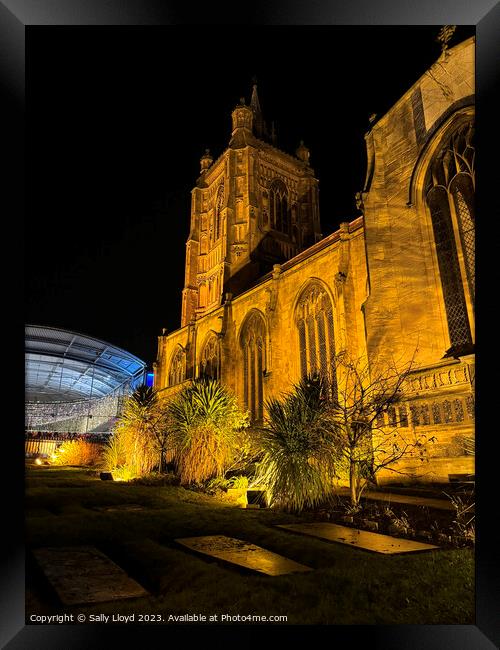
485	15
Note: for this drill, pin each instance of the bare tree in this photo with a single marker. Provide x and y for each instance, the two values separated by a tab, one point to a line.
363	395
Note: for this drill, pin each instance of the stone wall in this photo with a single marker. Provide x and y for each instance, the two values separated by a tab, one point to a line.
275	297
404	310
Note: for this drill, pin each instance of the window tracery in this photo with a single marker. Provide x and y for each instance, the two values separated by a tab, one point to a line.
279	208
314	321
253	345
177	372
210	358
450	197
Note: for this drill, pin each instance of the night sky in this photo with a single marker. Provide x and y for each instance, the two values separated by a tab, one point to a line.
117	119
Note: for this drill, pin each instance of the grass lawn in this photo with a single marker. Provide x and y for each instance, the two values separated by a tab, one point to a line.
348	585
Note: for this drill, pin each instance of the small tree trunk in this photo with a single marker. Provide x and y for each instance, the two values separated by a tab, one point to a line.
353	482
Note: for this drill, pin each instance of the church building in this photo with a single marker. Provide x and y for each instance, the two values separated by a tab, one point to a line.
267	299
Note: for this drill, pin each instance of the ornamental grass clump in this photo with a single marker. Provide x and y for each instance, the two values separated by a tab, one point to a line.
141	436
298	440
77	452
206	422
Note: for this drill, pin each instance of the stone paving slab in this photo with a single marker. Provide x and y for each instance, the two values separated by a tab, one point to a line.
82	574
359	538
392	497
243	554
39	512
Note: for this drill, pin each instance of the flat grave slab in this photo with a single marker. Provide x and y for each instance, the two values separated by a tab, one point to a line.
120	507
39	512
82	574
242	554
359	538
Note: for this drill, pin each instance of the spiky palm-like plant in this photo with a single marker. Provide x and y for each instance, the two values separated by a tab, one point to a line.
298	439
206	421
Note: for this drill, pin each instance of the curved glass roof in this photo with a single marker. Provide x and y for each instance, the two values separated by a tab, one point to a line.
64	366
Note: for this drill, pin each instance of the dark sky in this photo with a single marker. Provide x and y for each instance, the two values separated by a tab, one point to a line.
118	119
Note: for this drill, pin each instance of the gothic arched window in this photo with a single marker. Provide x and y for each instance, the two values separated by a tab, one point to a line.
219	202
450	197
253	345
210	358
314	321
278	206
177	372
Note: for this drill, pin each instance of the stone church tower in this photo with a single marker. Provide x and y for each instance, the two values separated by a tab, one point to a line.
267	301
253	207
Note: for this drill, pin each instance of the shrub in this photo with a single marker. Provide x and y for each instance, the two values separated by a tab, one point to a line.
298	465
155	479
78	452
205	420
123	473
464	522
238	482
